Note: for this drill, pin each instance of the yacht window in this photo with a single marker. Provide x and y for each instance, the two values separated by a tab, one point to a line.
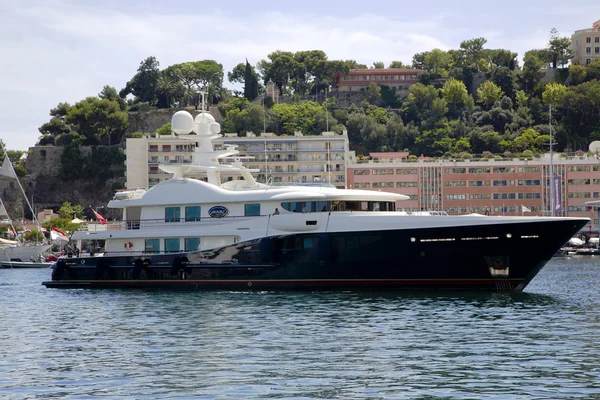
152	246
192	244
192	213
172	214
251	210
172	245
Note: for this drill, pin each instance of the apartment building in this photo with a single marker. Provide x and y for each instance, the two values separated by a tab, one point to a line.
586	45
304	159
504	187
360	79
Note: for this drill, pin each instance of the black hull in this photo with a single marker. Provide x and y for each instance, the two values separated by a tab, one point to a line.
490	257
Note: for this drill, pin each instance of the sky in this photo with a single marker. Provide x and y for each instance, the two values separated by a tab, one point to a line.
63	51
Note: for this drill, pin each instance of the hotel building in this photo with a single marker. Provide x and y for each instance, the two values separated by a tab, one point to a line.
359	79
586	45
305	159
505	187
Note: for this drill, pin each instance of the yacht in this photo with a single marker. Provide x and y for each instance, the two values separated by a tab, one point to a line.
228	231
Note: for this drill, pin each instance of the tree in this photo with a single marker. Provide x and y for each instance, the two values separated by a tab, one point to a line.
378	65
532	64
198	75
438	62
70	211
554	94
521	98
238	73
504	78
373	93
559	49
398	64
488	93
98	118
455	92
250	82
144	82
472	50
110	93
577	73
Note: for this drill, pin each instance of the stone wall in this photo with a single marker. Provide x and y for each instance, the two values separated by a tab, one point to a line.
150	121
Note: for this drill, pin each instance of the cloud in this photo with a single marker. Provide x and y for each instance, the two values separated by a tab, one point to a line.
57	51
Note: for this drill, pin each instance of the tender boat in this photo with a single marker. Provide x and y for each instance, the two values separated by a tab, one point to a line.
228	231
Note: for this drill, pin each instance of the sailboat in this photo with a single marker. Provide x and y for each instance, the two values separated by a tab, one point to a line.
15	250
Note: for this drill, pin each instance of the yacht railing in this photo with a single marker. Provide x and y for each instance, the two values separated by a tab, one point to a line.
165	223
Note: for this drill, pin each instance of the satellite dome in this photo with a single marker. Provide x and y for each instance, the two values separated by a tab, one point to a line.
204	118
182	123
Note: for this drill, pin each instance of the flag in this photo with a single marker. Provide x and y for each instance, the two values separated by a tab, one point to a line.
99	217
10	228
525	209
57	234
7	168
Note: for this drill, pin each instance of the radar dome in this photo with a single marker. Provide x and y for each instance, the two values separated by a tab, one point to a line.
204	118
215	128
595	146
182	123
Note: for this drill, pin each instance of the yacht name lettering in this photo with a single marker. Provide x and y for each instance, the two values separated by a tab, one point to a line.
218	212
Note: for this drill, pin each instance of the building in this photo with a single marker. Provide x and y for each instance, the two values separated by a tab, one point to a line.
305	159
360	79
586	45
505	187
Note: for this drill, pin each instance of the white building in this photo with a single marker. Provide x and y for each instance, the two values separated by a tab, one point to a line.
300	159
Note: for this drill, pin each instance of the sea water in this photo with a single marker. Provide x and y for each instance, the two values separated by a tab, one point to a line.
540	344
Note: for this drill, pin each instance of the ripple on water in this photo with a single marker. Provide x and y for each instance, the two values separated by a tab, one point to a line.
152	344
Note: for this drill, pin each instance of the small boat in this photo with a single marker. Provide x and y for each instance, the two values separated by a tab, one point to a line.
25	264
12	250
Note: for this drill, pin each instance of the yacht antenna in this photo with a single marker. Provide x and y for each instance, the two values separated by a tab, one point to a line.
326	113
328	144
552	205
265	138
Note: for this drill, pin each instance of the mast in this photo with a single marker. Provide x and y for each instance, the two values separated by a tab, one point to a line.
6	159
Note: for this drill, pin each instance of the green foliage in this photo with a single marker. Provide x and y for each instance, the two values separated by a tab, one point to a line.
100	165
144	82
554	93
373	93
398	64
378	65
67	210
455	92
559	49
165	129
489	93
137	135
35	236
98	120
577	73
250	82
63	224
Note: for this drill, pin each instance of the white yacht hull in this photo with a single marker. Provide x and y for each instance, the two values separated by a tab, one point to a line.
23	253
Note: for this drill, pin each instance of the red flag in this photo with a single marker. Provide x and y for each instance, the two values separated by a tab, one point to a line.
99	217
60	233
10	228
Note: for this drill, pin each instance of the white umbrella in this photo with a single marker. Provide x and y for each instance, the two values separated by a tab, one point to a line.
77	221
